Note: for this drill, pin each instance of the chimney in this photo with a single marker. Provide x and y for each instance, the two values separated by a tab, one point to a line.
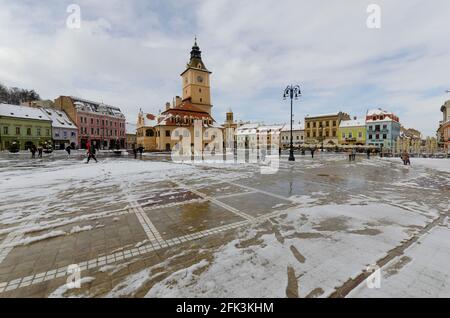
167	106
354	118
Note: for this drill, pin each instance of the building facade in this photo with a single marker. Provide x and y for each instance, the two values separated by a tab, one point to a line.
382	128
160	133
352	132
131	140
229	130
444	127
25	126
103	125
64	131
323	128
298	135
259	136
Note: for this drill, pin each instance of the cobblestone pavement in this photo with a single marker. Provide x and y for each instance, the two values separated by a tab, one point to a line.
155	228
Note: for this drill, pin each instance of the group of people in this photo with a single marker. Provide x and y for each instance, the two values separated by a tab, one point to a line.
405	158
34	149
352	154
136	150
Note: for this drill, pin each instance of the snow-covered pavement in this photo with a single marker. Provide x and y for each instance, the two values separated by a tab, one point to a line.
159	229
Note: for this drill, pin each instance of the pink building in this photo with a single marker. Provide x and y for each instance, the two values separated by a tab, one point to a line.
444	127
103	125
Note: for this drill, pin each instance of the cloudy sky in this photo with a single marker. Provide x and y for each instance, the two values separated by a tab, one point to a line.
130	54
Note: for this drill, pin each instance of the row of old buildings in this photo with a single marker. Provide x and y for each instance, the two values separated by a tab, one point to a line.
65	121
74	121
444	127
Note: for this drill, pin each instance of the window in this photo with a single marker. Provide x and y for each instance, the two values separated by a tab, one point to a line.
360	135
385	126
350	135
327	133
98	121
38	131
377	136
65	133
307	135
47	132
334	133
5	130
343	135
149	133
327	123
314	134
377	128
297	137
334	123
73	134
92	121
98	131
29	132
384	136
314	124
307	124
201	100
370	136
56	134
167	133
92	131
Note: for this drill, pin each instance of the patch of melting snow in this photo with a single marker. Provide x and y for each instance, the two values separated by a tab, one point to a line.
62	290
33	239
77	229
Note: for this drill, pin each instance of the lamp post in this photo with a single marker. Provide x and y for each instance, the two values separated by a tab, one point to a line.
321	136
292	92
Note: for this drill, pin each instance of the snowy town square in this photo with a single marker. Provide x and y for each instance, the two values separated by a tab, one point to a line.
150	227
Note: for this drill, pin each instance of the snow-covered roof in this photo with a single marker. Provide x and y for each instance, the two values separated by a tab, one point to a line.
249	126
352	123
25	112
377	111
130	128
90	106
295	127
379	120
322	115
59	118
263	128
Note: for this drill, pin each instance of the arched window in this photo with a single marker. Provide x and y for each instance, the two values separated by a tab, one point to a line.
149	133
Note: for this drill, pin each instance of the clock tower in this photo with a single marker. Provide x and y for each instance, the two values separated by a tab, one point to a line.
196	85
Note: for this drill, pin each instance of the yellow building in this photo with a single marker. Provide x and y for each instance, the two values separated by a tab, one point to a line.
352	132
323	128
159	133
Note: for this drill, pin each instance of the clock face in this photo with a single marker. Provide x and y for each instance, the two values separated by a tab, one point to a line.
200	79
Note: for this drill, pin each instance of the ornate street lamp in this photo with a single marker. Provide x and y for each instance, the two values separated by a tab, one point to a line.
292	92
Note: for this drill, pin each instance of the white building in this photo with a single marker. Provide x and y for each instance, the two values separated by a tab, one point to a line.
65	132
251	135
298	135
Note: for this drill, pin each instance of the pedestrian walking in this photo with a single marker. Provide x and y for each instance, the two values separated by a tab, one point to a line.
68	148
135	152
91	152
33	151
312	152
408	161
141	150
368	153
40	150
353	154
